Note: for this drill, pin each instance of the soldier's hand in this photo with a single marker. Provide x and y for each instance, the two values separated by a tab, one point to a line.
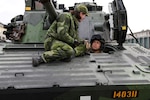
76	43
87	44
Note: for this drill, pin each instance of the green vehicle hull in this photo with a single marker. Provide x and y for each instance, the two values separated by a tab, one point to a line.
120	72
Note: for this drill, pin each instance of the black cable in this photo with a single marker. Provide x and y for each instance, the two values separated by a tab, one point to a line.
133	36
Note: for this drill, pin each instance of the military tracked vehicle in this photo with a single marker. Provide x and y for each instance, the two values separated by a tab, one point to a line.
122	71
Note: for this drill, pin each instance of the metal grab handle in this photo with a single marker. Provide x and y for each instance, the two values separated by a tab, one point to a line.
19	74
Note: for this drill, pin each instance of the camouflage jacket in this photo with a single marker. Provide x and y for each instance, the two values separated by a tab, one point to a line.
64	28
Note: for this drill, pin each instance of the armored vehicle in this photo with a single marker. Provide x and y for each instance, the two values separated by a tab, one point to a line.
122	71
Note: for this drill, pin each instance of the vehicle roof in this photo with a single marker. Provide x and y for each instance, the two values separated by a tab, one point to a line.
127	67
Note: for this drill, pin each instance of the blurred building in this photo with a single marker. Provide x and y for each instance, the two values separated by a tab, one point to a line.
2	36
143	38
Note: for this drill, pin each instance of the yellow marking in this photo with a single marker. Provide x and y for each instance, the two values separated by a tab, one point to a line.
125	94
117	94
28	8
124	28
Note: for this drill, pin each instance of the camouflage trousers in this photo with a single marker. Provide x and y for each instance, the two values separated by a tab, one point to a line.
58	50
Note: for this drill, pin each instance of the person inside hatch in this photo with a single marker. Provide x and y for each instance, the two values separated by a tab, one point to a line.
97	44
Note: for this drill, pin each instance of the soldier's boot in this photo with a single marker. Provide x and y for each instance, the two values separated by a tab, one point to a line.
36	61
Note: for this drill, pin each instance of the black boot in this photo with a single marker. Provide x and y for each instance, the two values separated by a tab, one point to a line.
37	61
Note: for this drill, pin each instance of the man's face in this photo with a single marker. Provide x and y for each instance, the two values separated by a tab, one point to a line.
82	15
96	45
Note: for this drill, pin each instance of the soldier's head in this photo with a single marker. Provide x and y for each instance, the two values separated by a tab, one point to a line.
81	11
97	43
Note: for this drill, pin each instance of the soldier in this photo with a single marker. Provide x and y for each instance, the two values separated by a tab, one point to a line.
97	44
63	42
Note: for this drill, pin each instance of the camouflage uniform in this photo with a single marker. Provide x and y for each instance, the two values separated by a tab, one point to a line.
62	42
61	36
